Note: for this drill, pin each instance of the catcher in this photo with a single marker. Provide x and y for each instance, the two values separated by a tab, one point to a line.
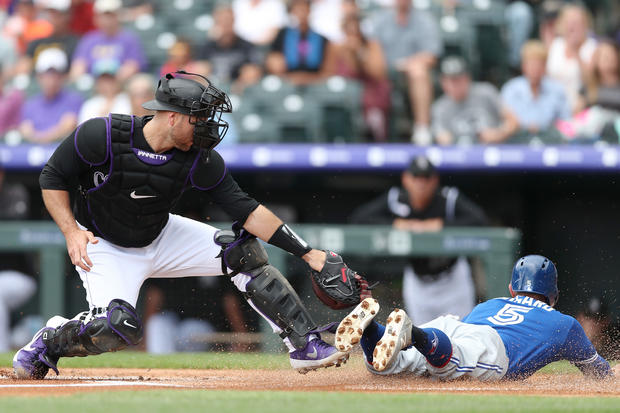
502	338
125	173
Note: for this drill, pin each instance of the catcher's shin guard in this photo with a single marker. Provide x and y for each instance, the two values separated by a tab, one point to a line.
267	290
274	298
118	327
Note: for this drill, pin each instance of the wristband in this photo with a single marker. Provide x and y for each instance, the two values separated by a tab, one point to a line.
286	239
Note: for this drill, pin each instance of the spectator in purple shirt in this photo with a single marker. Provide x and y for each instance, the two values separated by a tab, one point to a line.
109	42
51	115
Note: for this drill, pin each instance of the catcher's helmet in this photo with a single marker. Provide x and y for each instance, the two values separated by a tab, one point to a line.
536	274
204	103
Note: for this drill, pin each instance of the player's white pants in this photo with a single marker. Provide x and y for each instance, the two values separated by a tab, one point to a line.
15	289
477	351
185	248
453	292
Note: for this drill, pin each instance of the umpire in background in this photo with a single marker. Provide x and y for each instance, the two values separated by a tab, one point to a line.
125	174
432	286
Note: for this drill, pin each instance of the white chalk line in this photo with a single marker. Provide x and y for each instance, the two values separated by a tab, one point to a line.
93	384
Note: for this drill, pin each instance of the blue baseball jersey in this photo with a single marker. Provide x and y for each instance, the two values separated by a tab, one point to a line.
535	335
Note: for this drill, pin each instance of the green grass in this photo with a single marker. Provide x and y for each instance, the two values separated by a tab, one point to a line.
214	360
188	401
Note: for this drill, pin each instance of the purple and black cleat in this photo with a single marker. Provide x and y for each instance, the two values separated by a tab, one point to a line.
315	355
32	360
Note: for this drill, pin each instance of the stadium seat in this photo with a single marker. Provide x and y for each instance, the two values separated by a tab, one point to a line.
196	32
483	11
179	13
459	37
155	37
270	90
299	119
432	6
254	125
487	20
340	102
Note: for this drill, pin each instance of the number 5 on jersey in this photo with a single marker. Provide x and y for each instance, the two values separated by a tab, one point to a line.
509	314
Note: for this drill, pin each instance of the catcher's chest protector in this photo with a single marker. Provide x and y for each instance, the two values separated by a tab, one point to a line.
131	206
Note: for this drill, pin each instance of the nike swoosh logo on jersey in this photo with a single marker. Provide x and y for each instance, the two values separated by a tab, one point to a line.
129	325
313	354
136	196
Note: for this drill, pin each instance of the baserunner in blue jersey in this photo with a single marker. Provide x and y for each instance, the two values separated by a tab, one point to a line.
503	338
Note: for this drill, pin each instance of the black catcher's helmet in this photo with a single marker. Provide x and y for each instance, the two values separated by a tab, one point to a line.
204	103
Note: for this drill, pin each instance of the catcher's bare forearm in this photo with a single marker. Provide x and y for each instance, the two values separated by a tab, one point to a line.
262	223
59	206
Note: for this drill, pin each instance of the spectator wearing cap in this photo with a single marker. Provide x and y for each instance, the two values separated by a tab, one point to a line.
228	57
25	25
536	100
109	95
411	41
58	14
52	114
299	54
110	42
420	204
469	112
597	322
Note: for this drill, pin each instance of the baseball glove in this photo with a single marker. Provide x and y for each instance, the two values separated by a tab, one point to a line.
337	285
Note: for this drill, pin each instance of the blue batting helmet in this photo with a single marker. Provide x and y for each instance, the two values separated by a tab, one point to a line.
536	274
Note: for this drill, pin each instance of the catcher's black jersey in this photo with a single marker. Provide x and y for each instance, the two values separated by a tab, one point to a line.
68	170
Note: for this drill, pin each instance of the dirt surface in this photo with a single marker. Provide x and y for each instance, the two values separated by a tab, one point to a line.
352	377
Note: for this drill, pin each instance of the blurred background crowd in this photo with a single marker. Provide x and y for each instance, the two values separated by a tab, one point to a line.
423	71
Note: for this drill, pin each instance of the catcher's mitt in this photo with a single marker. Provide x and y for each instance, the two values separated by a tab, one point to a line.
337	285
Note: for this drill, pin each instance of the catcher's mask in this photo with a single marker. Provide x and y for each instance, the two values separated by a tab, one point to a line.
204	103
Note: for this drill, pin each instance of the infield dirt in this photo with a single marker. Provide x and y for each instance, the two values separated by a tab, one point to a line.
352	377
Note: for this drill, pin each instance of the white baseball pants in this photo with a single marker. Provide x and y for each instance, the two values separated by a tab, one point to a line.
477	351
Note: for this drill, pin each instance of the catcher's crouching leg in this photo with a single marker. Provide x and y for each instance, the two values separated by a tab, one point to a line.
271	295
98	331
264	287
